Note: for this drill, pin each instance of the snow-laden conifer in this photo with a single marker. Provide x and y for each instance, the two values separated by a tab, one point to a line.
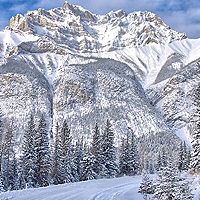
28	159
110	167
146	187
42	151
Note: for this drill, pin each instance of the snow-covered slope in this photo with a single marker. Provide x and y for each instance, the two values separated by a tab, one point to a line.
70	63
105	189
9	39
124	188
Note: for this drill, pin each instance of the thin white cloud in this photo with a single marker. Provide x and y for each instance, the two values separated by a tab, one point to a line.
103	6
49	3
19	8
184	21
4	19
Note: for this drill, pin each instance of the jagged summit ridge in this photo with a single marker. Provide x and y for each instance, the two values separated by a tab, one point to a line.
80	30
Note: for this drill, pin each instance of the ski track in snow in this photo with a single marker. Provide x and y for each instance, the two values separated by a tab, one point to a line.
124	188
113	192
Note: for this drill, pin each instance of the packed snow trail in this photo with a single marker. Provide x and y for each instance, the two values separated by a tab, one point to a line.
116	193
125	188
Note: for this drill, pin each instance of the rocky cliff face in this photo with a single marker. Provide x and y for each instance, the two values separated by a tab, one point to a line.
72	64
80	30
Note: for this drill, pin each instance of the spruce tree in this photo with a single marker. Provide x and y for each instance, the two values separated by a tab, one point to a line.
110	168
146	187
13	175
78	157
74	167
1	185
1	137
163	158
66	152
185	192
123	160
42	151
96	151
29	154
21	181
188	158
184	157
129	159
159	162
9	164
195	155
133	156
88	165
170	186
126	162
180	161
58	172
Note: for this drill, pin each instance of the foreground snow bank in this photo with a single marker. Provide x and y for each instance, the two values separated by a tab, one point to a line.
124	188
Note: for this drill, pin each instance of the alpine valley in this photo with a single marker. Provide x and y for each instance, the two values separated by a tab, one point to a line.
68	64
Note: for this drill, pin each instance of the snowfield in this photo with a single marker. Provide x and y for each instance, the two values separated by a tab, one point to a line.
124	188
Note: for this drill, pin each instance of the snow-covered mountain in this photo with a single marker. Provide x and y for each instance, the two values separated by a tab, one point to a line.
72	64
79	30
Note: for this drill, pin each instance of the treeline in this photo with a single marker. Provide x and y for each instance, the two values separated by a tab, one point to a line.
169	184
42	162
65	160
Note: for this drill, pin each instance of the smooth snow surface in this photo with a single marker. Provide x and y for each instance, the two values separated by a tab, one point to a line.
124	188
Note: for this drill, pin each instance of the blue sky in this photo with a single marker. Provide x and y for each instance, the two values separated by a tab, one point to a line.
181	15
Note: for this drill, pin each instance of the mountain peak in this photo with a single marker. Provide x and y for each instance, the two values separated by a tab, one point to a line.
66	5
117	13
78	29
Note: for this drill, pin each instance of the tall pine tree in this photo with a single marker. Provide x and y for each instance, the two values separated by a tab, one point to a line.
28	161
1	137
195	155
42	151
170	186
9	163
129	159
110	167
78	157
146	187
133	156
96	151
184	157
58	172
123	160
66	153
1	185
88	166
